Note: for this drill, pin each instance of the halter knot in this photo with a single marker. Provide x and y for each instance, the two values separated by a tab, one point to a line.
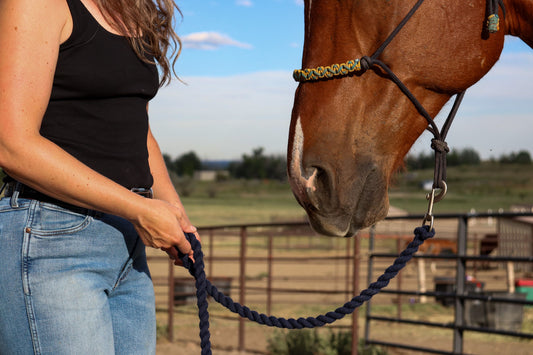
366	63
439	146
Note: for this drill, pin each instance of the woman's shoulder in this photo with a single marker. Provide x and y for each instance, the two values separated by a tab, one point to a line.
31	15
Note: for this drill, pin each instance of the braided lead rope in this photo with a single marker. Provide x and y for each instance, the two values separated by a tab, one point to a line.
203	286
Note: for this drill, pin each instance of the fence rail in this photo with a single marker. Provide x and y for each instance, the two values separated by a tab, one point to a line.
460	294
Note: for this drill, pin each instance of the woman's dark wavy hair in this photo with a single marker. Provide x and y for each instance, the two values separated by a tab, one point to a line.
150	22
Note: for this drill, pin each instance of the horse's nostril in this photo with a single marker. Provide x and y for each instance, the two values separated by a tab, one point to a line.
322	179
313	198
316	186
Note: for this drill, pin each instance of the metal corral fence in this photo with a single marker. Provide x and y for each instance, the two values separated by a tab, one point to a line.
476	309
268	265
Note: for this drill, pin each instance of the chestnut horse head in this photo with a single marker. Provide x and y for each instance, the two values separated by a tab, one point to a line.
353	124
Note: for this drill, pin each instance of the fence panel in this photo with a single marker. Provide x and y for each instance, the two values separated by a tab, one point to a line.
271	265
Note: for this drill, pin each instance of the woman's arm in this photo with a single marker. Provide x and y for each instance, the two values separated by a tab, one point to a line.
164	189
30	35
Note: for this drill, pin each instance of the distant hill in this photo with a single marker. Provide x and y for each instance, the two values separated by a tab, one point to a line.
216	164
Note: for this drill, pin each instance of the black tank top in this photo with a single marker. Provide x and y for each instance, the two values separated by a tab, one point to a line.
97	109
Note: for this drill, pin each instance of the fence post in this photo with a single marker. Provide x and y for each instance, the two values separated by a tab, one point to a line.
460	278
421	277
355	279
210	256
170	326
371	234
348	268
399	281
269	273
242	285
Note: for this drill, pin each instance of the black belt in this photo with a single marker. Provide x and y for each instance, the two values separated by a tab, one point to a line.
32	194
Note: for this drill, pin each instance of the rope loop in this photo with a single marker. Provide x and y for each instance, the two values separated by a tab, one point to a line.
203	287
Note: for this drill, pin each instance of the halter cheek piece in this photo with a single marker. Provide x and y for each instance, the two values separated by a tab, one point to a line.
438	142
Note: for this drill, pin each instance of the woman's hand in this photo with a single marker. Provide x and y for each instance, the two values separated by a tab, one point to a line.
163	225
187	227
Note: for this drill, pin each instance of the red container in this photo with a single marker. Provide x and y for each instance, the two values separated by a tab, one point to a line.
524	283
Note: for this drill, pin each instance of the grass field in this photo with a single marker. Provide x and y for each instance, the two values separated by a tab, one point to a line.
489	186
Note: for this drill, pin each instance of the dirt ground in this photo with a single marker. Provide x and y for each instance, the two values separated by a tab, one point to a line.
393	334
330	276
224	341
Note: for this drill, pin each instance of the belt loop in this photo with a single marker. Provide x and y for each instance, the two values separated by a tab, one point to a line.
14	197
143	191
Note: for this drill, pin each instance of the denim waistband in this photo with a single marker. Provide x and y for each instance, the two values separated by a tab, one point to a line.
17	190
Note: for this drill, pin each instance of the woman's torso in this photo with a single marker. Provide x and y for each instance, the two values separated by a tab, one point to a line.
98	105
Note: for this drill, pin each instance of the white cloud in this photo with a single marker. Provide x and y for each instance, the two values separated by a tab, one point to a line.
222	118
211	41
496	116
245	3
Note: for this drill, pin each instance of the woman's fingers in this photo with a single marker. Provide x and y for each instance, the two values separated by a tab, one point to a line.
164	226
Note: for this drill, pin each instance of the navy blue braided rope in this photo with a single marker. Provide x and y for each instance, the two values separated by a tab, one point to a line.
203	287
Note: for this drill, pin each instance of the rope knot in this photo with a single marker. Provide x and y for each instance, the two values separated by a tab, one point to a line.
366	63
439	146
424	233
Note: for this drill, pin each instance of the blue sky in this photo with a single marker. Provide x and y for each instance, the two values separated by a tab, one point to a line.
237	64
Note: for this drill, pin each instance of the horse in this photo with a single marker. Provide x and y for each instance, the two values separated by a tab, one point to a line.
353	123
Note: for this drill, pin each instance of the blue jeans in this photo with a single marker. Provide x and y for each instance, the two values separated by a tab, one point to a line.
72	282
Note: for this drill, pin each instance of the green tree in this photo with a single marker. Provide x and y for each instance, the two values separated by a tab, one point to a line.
522	157
467	156
168	162
420	161
259	166
187	164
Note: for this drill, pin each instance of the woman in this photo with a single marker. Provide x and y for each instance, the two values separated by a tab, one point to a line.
75	80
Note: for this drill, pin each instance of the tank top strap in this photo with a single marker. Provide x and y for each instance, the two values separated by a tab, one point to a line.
84	26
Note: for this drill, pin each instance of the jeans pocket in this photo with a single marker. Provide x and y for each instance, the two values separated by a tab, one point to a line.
50	220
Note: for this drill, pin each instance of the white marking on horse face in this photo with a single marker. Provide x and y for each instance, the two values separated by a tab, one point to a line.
297	150
300	181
